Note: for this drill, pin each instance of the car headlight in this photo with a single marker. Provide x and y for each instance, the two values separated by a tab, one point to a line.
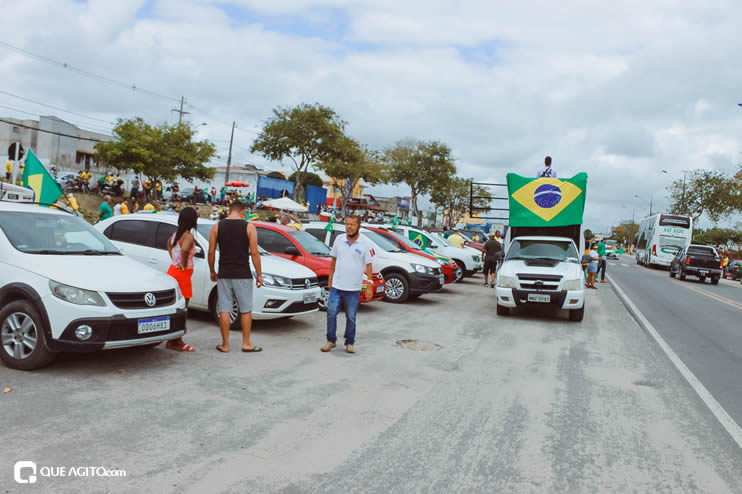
506	282
276	281
476	257
420	268
573	284
74	295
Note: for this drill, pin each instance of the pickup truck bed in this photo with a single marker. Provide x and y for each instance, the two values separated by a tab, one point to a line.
697	260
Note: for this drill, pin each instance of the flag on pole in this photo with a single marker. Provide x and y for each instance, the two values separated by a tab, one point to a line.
36	178
395	223
329	226
407	221
546	201
253	216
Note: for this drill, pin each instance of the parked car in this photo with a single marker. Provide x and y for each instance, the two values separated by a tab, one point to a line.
468	259
450	269
405	275
289	289
733	270
701	261
468	242
64	287
299	246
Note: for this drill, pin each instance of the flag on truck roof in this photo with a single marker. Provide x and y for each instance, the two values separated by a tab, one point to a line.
36	177
546	201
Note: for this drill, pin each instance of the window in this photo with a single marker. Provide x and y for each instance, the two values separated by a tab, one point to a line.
335	235
135	232
702	251
319	234
41	233
681	221
642	242
310	243
16	130
164	232
273	241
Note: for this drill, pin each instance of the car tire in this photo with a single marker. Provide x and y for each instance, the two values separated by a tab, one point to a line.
682	274
396	288
22	337
702	279
577	315
324	296
462	270
502	310
672	273
235	324
714	280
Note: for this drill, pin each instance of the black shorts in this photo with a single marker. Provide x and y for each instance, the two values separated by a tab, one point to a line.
490	267
8	175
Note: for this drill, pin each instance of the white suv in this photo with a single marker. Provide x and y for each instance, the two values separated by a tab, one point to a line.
65	288
468	259
289	289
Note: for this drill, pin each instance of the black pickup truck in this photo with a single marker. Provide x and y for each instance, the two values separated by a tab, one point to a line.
697	260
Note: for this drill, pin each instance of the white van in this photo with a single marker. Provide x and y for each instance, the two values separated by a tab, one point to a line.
405	275
289	289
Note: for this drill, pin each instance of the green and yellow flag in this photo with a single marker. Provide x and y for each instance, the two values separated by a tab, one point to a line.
418	239
546	201
253	216
36	177
329	224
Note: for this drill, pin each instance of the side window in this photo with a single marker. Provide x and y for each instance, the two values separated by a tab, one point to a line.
164	232
135	232
319	234
333	236
273	241
108	232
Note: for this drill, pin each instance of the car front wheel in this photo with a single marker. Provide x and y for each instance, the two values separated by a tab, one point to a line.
22	337
324	295
396	288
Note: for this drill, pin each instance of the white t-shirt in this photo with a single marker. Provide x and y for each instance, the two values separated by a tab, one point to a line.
350	263
117	210
594	255
547	171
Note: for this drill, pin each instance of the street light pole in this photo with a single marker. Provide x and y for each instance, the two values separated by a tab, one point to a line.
229	158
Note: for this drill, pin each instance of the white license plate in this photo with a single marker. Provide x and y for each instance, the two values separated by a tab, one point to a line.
379	288
537	297
153	325
442	279
310	299
703	271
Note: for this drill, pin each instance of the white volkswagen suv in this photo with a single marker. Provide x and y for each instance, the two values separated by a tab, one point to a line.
289	289
65	288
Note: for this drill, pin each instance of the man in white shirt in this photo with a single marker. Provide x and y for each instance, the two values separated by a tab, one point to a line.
547	170
117	209
351	257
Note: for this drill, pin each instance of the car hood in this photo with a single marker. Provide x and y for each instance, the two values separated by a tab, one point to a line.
568	270
99	273
283	267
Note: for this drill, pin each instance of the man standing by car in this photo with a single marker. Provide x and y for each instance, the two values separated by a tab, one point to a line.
602	263
351	257
238	242
492	248
105	211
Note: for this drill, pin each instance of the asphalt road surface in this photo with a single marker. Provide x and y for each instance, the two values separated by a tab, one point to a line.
524	403
701	322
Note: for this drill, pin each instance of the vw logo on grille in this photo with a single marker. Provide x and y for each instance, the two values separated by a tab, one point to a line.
150	299
307	284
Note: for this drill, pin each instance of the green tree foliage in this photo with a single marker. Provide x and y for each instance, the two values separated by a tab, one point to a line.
625	232
588	233
309	179
453	195
352	163
706	191
426	167
305	134
723	238
161	152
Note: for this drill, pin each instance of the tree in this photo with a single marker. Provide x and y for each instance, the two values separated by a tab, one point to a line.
424	166
309	179
453	196
706	191
305	134
351	164
162	152
625	232
588	233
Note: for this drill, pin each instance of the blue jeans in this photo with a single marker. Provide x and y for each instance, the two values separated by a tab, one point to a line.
349	301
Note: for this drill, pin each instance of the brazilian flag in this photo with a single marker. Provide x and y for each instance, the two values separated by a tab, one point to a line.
253	217
546	201
419	239
35	177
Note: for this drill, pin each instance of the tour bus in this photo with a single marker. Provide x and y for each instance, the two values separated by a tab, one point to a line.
15	193
660	237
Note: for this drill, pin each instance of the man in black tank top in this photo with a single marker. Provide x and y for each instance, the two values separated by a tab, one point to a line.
238	242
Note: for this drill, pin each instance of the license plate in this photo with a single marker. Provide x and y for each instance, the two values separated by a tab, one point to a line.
442	279
379	288
310	299
703	271
537	297
153	325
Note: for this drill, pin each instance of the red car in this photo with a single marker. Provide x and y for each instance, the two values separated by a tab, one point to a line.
299	246
448	267
468	242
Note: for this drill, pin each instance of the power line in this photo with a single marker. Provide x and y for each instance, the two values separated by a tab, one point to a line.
50	131
55	108
80	125
86	73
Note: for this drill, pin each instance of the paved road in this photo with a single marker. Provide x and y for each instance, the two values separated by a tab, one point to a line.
527	403
701	322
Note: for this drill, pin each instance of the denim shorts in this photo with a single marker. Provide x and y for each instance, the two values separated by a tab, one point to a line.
237	289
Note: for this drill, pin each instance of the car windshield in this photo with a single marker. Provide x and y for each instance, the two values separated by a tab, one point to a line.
405	240
204	228
54	234
381	241
311	244
552	250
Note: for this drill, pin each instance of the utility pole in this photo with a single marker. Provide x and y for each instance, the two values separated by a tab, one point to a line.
650	203
229	158
181	112
685	210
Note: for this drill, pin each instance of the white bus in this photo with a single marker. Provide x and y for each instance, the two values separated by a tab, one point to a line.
660	237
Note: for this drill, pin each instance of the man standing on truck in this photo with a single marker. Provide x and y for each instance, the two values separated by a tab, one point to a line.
547	171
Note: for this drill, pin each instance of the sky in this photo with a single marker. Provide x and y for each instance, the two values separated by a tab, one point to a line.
621	91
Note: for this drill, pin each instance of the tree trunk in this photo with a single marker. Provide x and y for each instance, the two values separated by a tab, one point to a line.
417	211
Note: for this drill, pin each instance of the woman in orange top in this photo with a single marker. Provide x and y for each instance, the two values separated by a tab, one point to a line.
182	248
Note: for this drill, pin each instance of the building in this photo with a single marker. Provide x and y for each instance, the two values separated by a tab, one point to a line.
55	141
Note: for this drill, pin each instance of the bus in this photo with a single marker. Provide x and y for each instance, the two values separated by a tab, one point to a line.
660	237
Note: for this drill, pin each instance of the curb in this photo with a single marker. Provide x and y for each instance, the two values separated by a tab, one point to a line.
734	430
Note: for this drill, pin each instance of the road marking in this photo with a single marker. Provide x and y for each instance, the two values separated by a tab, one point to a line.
721	415
714	296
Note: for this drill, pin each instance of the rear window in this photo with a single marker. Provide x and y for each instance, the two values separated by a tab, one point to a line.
702	251
670	220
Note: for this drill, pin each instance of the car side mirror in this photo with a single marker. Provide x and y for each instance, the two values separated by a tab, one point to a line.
291	250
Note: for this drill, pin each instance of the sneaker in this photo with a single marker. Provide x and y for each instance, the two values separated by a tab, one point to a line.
350	349
328	346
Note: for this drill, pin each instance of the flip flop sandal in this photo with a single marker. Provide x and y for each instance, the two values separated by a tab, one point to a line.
185	347
218	347
254	349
